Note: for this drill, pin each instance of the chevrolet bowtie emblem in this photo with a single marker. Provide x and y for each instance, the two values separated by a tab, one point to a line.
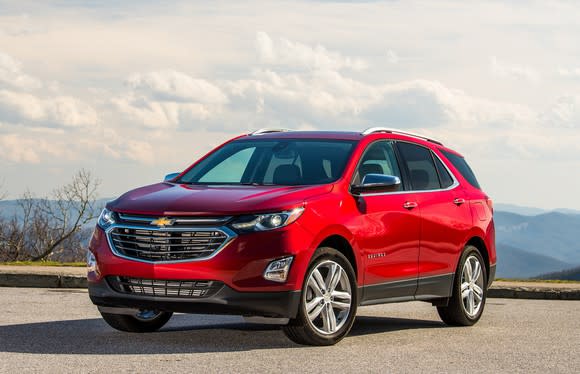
162	222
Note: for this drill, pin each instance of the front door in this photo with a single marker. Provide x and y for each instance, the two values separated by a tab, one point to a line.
388	229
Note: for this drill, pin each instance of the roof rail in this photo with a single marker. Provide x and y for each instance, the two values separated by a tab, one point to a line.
268	131
372	130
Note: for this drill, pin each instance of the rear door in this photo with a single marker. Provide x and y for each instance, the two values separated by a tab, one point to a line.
445	218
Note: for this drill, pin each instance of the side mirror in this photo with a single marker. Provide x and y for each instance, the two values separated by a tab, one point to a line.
376	183
170	177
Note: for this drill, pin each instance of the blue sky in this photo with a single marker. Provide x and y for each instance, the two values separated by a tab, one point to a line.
137	90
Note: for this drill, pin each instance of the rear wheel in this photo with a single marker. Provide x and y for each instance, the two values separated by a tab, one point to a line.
328	301
469	291
141	321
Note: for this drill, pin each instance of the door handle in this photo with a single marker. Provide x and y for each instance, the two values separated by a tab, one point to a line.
410	205
458	201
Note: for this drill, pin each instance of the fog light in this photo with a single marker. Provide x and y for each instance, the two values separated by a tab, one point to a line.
91	262
277	271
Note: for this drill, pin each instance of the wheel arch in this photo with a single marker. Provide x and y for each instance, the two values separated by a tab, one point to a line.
342	245
479	243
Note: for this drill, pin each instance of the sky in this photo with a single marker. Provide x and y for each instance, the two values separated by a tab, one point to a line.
135	90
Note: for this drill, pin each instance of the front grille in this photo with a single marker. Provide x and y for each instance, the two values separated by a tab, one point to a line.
166	245
165	288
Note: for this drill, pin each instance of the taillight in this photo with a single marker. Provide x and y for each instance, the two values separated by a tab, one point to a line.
489	204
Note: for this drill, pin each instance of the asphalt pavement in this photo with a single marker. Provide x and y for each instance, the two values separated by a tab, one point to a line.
59	330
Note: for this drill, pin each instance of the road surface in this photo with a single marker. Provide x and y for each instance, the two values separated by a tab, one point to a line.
59	330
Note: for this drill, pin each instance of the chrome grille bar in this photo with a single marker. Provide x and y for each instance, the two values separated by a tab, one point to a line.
146	220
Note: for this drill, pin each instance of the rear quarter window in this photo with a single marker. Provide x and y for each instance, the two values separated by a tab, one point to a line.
463	167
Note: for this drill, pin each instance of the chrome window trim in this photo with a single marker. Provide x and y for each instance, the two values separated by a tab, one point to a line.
454	185
230	236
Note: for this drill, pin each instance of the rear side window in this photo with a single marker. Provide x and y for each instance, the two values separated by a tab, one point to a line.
462	166
420	166
444	176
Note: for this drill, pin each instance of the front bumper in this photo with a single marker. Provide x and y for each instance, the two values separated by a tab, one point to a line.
240	264
282	304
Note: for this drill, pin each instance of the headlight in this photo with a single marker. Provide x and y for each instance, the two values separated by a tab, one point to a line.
265	222
106	219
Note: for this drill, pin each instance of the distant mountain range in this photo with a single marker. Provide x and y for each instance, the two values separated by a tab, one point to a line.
570	274
521	239
531	242
529	211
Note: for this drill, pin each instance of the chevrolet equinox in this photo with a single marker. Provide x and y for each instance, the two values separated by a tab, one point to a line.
299	228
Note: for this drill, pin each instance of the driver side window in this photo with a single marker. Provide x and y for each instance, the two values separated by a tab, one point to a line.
379	158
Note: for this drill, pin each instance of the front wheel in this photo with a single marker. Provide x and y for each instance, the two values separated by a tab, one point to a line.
328	301
142	321
469	291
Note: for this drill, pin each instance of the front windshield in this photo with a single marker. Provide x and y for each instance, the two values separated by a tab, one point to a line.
288	162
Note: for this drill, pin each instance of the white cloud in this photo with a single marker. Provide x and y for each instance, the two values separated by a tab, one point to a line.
285	52
30	150
569	73
392	57
20	25
329	99
505	70
15	149
140	151
170	85
64	111
564	113
160	114
11	74
168	99
20	101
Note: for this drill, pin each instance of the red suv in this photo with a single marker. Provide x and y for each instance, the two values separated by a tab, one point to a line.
299	228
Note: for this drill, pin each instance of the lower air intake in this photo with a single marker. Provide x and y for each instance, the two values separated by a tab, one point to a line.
165	288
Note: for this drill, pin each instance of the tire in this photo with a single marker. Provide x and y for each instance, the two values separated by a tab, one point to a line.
332	301
143	321
466	309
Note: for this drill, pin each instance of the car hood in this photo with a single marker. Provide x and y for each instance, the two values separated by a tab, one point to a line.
180	199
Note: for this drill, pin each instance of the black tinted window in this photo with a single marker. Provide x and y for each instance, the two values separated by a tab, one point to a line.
462	166
420	166
444	176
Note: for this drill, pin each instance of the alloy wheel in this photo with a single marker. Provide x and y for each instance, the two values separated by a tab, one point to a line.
472	286
328	297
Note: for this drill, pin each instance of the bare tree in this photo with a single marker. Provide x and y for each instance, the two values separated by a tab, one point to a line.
51	226
71	207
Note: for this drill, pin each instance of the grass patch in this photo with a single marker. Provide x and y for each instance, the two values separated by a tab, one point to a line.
43	263
536	280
